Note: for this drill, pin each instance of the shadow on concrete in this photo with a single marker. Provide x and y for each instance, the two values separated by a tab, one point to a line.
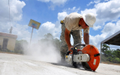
65	64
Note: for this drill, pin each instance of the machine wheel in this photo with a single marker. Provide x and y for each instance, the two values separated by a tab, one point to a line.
75	65
86	66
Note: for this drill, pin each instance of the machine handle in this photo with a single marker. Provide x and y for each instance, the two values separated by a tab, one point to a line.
74	50
79	44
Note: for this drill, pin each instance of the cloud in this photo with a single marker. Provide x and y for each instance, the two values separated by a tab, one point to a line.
53	28
96	40
105	11
89	11
15	12
108	10
105	20
73	9
92	2
61	15
97	27
54	3
111	28
107	15
48	27
108	30
101	15
10	15
22	32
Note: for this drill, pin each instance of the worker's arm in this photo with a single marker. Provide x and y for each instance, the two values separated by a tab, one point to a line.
86	38
67	38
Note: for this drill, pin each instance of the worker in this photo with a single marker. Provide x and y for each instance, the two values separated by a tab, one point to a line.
73	24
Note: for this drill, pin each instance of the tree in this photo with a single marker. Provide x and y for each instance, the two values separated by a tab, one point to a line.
20	46
49	39
110	55
48	36
105	48
57	43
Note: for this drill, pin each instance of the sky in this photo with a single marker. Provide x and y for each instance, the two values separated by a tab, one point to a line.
17	13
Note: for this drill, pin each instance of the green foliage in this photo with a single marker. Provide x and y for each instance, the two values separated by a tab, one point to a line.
48	38
20	45
6	50
110	55
105	48
116	53
116	60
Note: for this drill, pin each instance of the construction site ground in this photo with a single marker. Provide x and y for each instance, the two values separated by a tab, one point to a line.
12	64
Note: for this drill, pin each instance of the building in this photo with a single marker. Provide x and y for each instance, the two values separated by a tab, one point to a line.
7	41
112	40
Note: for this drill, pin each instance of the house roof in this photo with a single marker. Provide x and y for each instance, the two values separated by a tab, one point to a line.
113	39
8	35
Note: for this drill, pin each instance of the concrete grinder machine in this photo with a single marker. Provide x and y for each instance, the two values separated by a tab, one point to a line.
88	57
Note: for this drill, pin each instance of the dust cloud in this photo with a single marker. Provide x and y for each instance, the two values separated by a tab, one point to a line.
43	51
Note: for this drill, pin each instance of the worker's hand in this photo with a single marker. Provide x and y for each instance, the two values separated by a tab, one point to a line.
68	52
70	49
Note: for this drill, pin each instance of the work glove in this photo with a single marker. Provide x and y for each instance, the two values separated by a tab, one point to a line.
70	50
67	52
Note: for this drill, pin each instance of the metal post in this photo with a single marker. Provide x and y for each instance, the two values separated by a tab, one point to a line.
100	52
31	34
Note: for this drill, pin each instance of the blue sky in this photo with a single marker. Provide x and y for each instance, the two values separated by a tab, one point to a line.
50	12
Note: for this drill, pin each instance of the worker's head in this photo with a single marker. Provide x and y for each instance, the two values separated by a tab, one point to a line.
82	23
89	19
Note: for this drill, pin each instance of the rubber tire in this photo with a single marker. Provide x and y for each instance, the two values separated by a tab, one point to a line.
75	65
86	66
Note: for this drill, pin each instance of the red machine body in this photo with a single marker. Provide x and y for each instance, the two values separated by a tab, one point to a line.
94	56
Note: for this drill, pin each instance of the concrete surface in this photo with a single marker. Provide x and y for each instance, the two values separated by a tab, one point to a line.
11	64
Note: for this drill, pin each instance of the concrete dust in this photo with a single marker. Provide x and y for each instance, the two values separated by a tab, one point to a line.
44	51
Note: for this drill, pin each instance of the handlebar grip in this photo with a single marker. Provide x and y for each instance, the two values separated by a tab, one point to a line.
79	45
